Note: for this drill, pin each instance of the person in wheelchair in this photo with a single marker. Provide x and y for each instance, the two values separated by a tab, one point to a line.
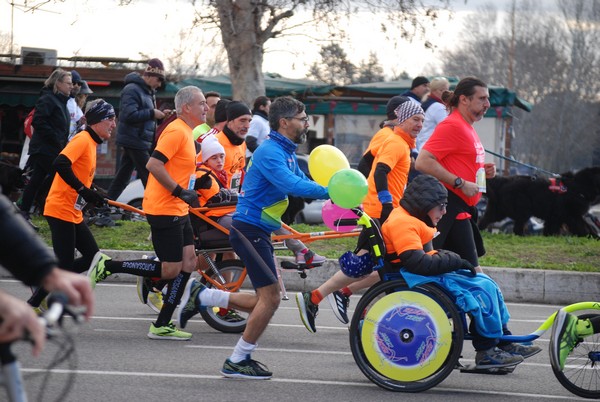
421	208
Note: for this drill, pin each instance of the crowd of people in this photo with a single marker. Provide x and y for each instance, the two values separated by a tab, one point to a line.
425	183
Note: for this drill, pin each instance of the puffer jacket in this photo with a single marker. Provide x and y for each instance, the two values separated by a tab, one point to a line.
51	124
136	126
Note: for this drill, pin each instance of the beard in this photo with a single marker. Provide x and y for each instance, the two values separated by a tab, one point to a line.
300	137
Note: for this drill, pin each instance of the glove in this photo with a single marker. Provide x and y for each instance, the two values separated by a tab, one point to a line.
386	209
203	182
467	265
92	197
189	196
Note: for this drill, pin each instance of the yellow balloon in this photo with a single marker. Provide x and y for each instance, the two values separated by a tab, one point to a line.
324	161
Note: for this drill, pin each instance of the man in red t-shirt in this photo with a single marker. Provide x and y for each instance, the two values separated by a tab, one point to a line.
455	156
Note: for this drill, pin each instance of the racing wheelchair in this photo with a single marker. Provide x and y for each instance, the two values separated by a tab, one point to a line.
409	339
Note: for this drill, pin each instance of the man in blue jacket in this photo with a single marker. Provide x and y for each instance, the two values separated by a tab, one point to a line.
135	130
272	174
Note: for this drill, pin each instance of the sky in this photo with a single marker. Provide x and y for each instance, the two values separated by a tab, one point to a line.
103	29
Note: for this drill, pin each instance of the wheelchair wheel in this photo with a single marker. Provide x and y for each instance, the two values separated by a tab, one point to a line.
581	374
406	340
226	320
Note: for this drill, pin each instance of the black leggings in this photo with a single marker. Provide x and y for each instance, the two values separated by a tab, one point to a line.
66	237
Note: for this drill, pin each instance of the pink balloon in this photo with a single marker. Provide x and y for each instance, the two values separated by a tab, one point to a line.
332	212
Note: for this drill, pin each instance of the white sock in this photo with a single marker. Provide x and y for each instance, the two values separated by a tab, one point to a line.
242	350
214	298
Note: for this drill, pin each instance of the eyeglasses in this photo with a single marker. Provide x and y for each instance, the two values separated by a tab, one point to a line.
302	119
443	206
77	83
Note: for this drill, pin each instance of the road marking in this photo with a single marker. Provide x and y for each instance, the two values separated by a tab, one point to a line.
441	390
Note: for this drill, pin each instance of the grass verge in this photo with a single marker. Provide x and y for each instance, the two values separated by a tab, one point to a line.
536	252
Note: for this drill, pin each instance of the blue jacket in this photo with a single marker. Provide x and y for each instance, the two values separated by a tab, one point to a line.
480	296
272	174
136	125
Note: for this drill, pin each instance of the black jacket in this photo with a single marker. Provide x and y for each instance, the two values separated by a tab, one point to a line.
51	121
22	251
136	126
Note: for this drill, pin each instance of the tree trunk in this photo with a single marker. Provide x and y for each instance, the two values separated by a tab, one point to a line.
240	30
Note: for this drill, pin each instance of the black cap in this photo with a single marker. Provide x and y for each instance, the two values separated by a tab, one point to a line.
221	110
420	80
393	104
236	109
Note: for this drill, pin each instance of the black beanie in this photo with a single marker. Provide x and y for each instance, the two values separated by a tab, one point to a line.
221	110
393	104
422	194
99	111
420	80
236	109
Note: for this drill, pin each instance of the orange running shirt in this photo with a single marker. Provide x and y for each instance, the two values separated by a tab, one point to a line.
177	144
61	200
207	194
395	153
414	233
378	140
235	161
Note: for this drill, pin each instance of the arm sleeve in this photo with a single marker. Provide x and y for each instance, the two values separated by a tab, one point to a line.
437	263
22	252
251	142
381	172
62	164
365	163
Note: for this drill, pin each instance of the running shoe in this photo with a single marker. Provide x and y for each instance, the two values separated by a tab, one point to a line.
309	258
168	332
248	368
522	350
98	272
155	301
189	305
339	304
496	358
567	332
232	316
308	310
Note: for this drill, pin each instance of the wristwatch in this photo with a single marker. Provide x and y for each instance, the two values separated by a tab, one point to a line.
458	182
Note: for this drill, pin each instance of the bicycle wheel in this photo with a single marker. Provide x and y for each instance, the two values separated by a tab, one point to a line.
581	375
226	320
406	340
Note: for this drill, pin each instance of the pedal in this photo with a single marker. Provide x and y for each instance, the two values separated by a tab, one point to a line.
473	369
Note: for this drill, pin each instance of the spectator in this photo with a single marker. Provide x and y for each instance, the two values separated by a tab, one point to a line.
418	89
259	126
75	111
51	132
435	109
135	129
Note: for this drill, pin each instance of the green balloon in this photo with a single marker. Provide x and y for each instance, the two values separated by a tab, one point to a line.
348	188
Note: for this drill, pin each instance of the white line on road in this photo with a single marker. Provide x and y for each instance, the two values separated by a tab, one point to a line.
286	380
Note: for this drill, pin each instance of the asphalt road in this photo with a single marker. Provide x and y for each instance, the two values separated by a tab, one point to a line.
117	362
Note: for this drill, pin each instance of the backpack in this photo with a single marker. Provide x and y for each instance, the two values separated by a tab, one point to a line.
27	127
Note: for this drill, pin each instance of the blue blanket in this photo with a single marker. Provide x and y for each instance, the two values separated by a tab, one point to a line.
479	296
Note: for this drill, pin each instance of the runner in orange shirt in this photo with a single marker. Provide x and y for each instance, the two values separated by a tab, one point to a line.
71	191
386	187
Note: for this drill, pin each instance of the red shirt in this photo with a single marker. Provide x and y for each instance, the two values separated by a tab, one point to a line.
457	147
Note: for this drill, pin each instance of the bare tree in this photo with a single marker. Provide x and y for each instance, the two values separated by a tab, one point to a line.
247	25
554	63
